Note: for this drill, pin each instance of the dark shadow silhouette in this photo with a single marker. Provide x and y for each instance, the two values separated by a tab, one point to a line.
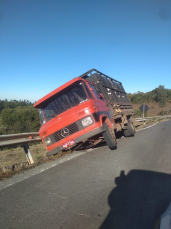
138	200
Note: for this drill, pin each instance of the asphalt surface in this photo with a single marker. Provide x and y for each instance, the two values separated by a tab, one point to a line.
125	188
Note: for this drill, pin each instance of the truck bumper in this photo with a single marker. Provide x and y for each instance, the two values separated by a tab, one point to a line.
77	140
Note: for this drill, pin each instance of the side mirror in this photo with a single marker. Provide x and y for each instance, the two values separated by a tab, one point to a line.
100	96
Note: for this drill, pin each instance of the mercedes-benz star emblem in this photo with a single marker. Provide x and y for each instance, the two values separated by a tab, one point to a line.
64	132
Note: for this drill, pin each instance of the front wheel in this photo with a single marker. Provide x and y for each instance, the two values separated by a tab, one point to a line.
109	136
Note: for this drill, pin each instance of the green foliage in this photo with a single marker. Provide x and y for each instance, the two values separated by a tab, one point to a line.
159	95
129	96
138	97
20	119
138	113
13	103
164	113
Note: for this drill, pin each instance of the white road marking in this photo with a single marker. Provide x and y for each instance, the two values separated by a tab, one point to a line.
147	127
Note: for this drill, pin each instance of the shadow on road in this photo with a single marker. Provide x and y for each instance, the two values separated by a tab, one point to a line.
138	200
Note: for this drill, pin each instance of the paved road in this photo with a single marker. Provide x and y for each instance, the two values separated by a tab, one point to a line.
125	188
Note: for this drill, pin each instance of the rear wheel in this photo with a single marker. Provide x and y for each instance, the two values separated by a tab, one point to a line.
109	136
126	133
130	130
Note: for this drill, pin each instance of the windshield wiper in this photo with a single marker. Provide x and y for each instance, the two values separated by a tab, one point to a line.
65	105
50	116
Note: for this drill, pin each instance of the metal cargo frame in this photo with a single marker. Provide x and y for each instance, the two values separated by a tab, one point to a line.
111	89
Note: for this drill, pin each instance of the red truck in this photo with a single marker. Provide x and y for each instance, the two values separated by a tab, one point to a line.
84	111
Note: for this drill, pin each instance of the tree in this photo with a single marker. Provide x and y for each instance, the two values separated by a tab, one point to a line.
20	119
161	95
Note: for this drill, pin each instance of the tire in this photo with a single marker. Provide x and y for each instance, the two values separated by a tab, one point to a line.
130	130
110	140
126	133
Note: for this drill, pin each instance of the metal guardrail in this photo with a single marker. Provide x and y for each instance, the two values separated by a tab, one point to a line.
15	139
148	118
24	139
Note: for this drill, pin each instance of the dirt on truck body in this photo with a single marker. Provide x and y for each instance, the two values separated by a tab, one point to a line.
83	112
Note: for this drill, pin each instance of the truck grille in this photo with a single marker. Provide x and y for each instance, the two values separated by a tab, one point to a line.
65	132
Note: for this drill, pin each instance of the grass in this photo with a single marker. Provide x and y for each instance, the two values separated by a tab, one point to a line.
17	155
13	161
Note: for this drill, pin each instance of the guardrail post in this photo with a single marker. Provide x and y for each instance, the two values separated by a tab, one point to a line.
28	154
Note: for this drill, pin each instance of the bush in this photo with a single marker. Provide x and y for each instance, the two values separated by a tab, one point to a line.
138	113
162	113
20	119
159	95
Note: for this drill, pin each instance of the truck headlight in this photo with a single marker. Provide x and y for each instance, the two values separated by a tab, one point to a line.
87	121
47	141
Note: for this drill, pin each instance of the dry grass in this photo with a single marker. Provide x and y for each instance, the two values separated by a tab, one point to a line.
16	155
14	160
154	108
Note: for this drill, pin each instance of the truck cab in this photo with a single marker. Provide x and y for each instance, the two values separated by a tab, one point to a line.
70	115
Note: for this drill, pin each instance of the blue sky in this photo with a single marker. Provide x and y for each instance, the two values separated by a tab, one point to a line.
44	44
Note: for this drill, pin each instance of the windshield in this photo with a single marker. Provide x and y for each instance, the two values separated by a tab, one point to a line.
67	99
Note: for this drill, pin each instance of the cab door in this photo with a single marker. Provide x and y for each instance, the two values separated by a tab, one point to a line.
100	103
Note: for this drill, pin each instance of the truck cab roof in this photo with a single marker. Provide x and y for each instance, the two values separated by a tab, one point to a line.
52	94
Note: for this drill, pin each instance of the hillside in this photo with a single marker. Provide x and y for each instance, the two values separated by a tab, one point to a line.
154	109
158	101
159	95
